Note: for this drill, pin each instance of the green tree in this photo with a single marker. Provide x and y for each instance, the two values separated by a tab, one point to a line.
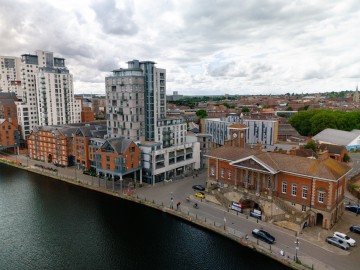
201	113
245	110
346	158
310	145
289	108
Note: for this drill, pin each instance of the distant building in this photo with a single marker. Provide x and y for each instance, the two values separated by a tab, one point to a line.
259	131
174	97
356	95
349	139
87	115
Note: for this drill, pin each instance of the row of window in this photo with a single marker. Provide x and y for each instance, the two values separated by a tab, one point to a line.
304	191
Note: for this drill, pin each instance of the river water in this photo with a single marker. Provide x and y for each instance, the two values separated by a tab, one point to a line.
49	224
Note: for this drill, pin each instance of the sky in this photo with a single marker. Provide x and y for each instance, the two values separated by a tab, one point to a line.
207	47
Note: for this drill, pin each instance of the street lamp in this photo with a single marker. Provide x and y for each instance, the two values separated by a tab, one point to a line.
224	220
296	248
172	200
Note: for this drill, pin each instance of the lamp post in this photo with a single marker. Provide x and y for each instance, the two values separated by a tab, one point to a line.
224	221
171	200
296	248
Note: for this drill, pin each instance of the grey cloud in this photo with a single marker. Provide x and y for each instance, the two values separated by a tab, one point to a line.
113	20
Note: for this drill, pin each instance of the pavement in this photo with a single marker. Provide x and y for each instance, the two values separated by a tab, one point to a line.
180	189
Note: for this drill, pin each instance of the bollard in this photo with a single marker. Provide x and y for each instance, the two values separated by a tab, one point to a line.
145	199
247	216
257	241
196	216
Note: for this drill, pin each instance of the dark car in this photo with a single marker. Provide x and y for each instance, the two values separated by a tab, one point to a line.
198	187
263	235
355	229
353	208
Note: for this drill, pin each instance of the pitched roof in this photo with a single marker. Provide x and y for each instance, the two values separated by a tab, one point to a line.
325	169
334	136
119	144
332	148
231	153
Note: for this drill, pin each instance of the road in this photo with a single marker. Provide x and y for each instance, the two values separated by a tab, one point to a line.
333	257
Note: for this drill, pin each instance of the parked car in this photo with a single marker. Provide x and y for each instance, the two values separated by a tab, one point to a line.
200	195
337	242
198	187
236	207
263	235
355	229
345	238
255	213
353	208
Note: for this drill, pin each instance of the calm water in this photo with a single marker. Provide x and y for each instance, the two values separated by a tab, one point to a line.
48	224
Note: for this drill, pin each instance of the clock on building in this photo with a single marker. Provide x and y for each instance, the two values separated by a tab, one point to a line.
234	135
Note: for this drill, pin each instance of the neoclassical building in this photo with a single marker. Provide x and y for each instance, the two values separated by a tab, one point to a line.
311	191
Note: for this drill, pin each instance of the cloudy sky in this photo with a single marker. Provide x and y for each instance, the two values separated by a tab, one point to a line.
208	47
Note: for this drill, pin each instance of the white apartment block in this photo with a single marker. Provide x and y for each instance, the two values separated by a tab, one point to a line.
10	79
55	93
170	131
164	164
259	131
43	86
77	110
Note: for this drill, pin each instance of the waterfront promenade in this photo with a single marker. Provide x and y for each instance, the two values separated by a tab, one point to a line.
212	216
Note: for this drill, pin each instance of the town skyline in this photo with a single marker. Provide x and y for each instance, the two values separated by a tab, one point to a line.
248	48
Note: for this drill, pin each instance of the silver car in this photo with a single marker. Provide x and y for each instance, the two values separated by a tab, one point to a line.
337	242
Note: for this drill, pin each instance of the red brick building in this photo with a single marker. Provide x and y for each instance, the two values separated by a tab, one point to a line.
9	134
312	189
117	158
87	115
52	144
81	147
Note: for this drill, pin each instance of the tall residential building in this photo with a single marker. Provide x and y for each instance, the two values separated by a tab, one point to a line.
27	105
138	94
43	86
125	103
55	93
10	68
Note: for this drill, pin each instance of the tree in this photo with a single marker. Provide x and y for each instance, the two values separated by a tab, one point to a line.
289	109
201	113
245	110
311	145
346	158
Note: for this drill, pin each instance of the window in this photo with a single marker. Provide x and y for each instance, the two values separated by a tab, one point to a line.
321	197
293	204
229	174
284	187
107	158
212	171
303	208
222	172
304	192
294	189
